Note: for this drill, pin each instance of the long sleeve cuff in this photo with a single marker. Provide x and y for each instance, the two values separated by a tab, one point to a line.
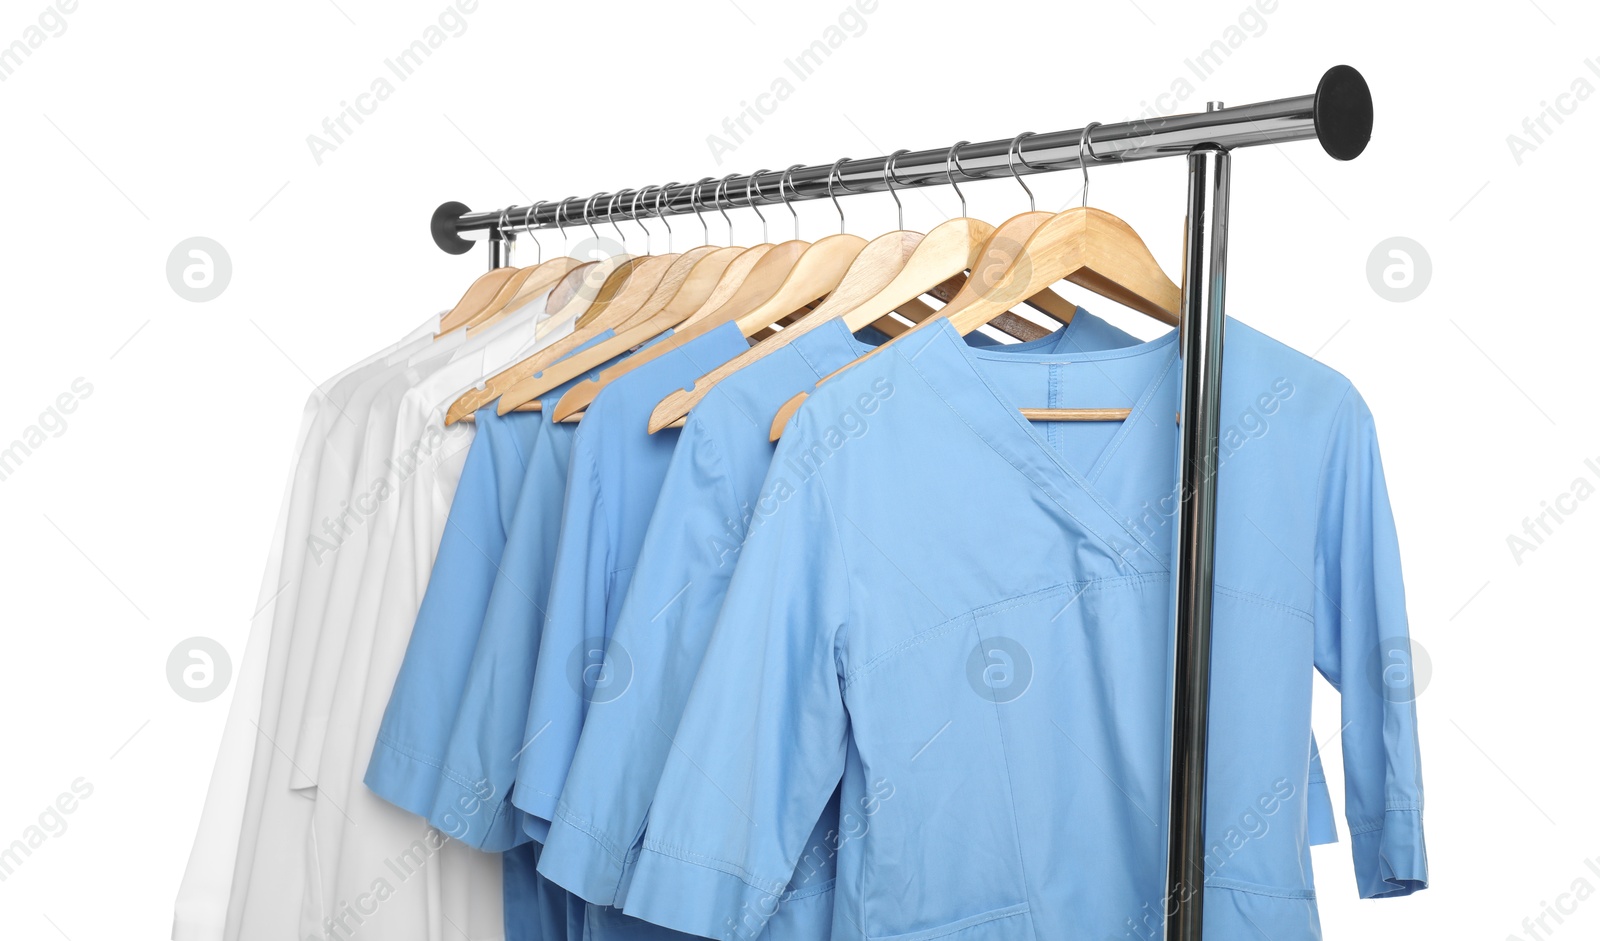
703	897
1390	857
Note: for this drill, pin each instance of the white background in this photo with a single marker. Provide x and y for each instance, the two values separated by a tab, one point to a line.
146	520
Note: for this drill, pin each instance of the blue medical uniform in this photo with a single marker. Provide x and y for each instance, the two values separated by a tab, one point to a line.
708	500
989	678
612	484
407	761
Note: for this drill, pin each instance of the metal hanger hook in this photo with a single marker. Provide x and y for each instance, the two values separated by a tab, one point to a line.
661	194
787	179
588	214
952	159
527	226
705	230
717	195
889	180
1085	154
561	209
633	210
750	181
611	208
1013	153
500	224
833	171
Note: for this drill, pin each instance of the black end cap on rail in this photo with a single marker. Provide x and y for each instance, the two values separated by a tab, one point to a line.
443	227
1343	113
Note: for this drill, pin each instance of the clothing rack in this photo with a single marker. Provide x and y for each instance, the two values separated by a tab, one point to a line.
1338	114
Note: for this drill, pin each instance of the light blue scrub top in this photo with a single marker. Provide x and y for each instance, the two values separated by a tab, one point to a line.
989	678
406	759
689	550
707	500
612	483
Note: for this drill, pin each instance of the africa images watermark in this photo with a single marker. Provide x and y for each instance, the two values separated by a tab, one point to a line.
814	866
736	129
1253	423
784	479
1538	127
51	23
1538	927
1251	23
52	423
364	504
1541	526
51	822
347	916
1249	828
337	128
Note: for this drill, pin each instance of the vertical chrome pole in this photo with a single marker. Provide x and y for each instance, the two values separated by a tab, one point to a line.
501	245
1205	270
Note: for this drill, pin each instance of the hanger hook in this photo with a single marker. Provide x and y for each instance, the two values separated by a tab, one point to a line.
500	224
952	159
705	230
527	226
717	195
833	171
750	181
633	212
661	194
788	179
561	210
1013	153
588	214
611	217
633	216
889	180
1086	146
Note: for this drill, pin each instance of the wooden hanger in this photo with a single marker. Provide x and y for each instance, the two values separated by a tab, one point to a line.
573	294
587	293
651	319
1089	247
528	283
698	307
654	313
487	295
732	279
519	290
869	272
480	293
695	291
818	274
896	279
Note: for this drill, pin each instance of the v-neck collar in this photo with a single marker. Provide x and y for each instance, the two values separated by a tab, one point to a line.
956	372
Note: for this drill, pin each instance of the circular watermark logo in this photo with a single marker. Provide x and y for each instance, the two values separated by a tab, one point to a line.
198	669
199	269
1399	269
595	248
999	669
1400	669
989	278
598	671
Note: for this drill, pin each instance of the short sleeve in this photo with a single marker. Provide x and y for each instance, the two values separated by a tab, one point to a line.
411	742
1363	649
659	640
762	742
573	638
